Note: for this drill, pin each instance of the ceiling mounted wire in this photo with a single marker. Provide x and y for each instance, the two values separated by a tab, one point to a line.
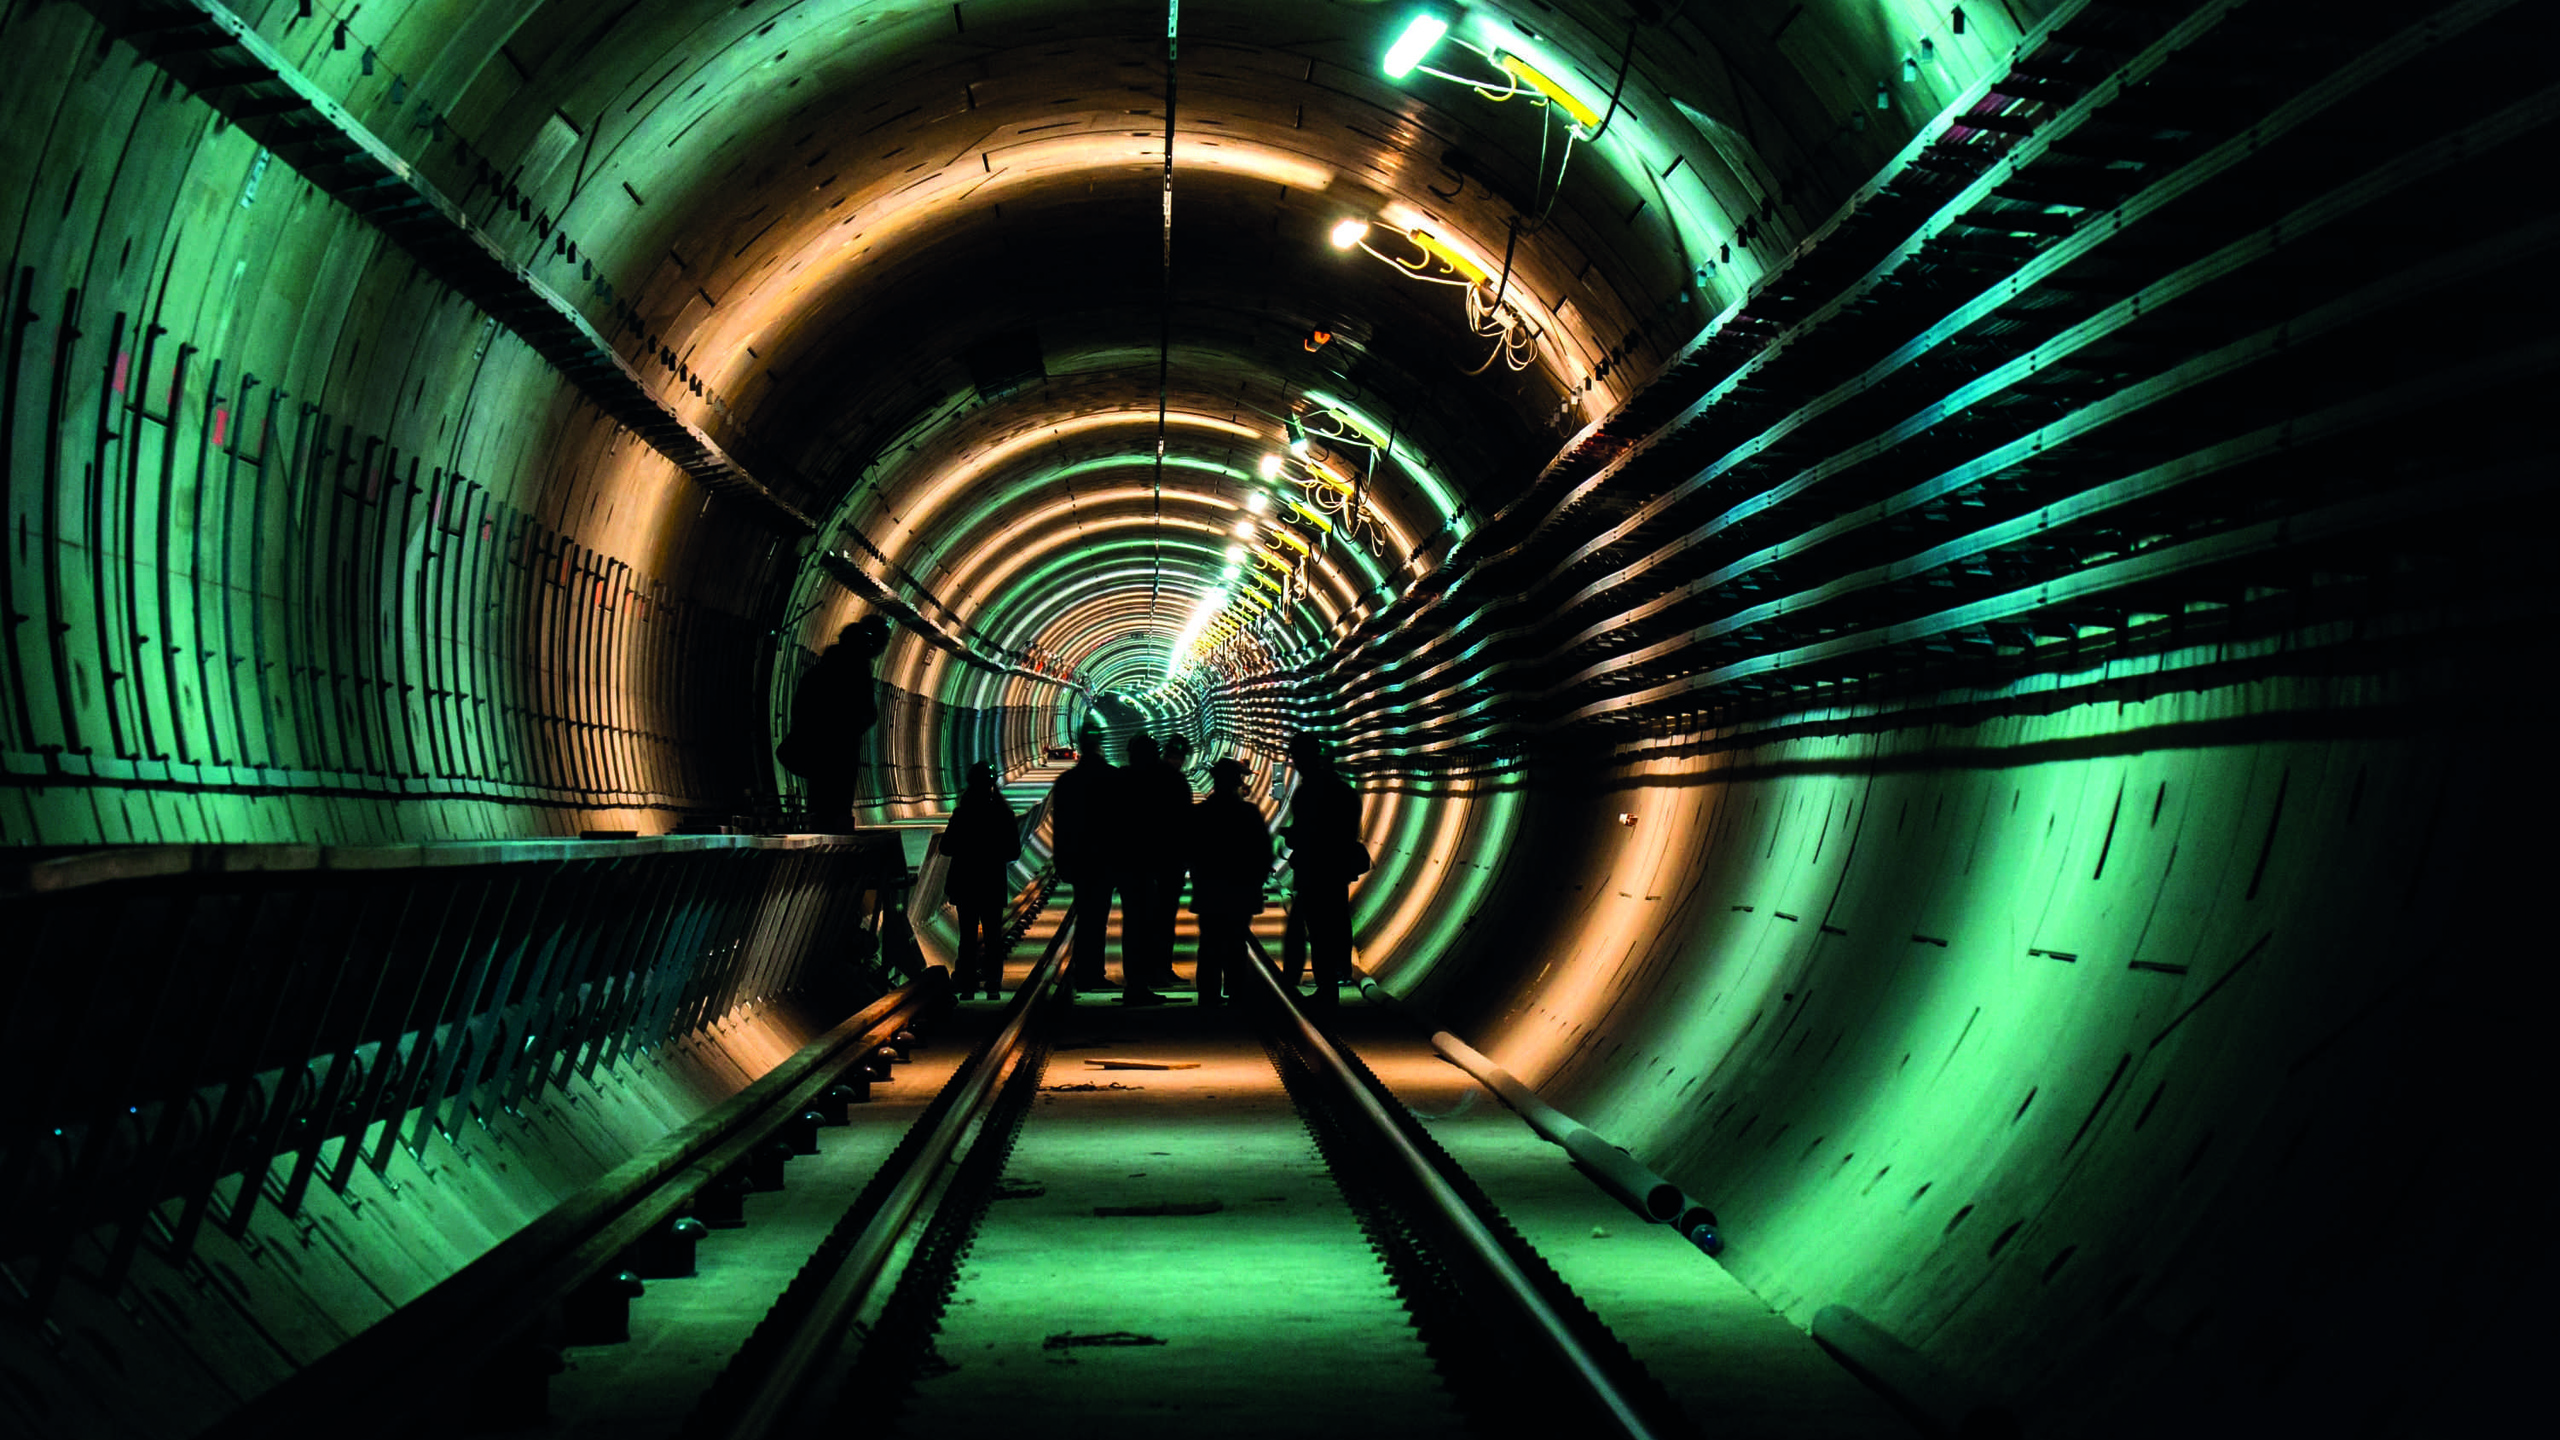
1164	323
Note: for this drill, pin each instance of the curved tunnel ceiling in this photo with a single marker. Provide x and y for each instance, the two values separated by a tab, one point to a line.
921	258
1960	697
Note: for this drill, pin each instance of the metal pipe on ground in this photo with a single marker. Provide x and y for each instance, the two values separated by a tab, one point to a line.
1624	1176
1620	1173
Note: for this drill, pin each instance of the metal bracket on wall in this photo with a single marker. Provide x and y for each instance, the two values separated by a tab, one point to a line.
965	645
228	65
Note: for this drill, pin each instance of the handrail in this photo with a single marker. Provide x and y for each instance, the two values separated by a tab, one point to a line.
1460	1217
28	873
779	1389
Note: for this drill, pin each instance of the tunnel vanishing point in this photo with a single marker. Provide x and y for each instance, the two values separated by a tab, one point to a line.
1942	614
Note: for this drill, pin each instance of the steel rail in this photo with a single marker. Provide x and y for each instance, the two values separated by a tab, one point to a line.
1479	1240
784	1380
479	1309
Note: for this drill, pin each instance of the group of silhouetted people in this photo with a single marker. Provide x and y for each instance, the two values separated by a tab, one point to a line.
1132	830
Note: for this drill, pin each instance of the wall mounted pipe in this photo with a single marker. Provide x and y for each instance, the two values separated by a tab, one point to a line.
1658	1200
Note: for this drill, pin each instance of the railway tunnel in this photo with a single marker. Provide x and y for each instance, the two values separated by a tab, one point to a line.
1934	609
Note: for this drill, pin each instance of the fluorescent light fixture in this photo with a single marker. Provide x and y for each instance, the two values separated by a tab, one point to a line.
1270	471
1420	33
1235	556
1349	232
1538	80
1442	251
1244	530
1257	502
1297	437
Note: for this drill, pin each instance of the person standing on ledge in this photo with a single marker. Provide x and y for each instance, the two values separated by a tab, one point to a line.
1084	827
1230	860
835	705
1326	855
983	840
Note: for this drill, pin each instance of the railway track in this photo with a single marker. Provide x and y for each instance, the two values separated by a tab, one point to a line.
1131	1222
911	1312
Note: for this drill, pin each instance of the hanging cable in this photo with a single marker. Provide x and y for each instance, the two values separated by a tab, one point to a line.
1625	57
1164	323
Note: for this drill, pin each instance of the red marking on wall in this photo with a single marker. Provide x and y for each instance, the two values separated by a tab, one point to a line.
221	425
124	361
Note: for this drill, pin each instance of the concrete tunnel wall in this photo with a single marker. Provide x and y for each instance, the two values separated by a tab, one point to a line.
322	552
2091	1184
433	592
2118	1057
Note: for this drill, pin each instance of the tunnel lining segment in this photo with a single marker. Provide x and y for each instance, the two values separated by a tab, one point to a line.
1586	447
223	62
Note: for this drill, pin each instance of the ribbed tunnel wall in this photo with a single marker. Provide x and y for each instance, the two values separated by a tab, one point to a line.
2088	1052
2081	1033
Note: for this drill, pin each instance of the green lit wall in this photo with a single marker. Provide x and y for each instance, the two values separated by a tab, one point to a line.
2037	1032
2107	1021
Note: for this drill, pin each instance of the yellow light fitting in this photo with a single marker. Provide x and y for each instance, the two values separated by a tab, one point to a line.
1290	538
1310	516
1438	249
1536	79
1351	422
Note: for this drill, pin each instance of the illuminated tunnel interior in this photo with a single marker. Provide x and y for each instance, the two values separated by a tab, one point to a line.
1939	611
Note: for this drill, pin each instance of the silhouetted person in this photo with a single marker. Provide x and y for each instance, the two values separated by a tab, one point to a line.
982	841
834	706
1084	827
1230	859
1156	814
1326	855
